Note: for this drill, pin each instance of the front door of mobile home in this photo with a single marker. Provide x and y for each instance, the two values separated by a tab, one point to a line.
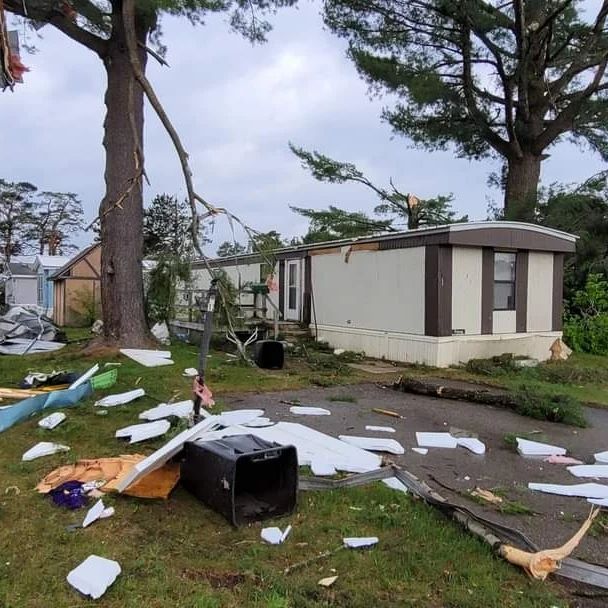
292	290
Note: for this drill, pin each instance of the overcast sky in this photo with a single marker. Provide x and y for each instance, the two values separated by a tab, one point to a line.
236	108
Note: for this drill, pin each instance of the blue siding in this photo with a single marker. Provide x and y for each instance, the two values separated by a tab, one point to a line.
45	295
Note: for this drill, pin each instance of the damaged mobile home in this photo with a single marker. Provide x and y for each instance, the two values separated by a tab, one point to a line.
438	296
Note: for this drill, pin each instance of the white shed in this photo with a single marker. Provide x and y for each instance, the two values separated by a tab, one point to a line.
438	296
20	285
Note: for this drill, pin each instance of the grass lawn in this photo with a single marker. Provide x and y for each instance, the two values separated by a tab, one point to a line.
582	376
178	553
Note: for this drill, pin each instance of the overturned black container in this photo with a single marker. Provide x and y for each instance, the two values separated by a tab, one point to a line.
244	478
269	354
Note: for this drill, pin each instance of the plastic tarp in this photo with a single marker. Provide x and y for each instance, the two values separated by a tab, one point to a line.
56	399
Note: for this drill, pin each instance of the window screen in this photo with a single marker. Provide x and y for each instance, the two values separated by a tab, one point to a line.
504	280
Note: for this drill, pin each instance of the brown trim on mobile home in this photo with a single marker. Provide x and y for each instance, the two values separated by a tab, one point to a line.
521	292
558	291
307	296
487	290
282	288
438	291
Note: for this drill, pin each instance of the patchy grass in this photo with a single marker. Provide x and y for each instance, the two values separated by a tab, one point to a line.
178	553
343	398
545	406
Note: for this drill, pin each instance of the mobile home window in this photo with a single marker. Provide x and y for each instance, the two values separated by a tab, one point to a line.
292	283
504	280
40	290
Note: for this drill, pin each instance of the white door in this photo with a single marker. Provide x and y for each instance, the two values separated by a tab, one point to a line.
292	291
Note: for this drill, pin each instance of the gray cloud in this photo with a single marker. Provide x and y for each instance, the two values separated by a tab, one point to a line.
236	107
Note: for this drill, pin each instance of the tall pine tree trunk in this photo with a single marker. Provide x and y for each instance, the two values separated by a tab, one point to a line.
521	190
122	287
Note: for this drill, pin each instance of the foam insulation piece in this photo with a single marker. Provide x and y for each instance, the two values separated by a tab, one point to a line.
94	513
82	379
379	429
148	358
584	490
181	409
121	398
423	451
374	444
310	445
473	445
165	453
44	448
141	432
436	440
533	448
236	417
322	468
258	422
360	542
94	575
589	470
395	484
275	536
304	410
50	422
601	457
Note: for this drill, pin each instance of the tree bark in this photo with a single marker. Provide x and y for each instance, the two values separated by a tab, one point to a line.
121	210
521	191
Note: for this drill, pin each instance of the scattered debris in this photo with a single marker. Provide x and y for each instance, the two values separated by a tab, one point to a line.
236	417
533	448
542	563
161	332
50	422
560	351
12	490
44	448
258	422
487	496
42	379
379	410
93	514
436	440
148	358
141	432
472	444
339	351
555	459
111	471
190	372
322	468
584	490
328	581
181	409
423	451
374	444
301	410
94	575
275	536
589	470
360	542
69	494
379	429
19	346
120	398
82	379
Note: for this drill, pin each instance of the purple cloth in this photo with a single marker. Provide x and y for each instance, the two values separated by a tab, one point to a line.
69	495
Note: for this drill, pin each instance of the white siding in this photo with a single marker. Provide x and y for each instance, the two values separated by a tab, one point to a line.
375	290
466	289
540	291
22	291
504	322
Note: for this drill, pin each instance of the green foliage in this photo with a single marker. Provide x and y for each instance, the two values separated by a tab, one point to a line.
226	306
586	324
229	248
483	78
498	365
163	279
545	406
334	223
87	307
16	205
400	207
582	210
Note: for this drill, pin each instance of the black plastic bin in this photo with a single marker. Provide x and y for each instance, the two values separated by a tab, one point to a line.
243	477
269	354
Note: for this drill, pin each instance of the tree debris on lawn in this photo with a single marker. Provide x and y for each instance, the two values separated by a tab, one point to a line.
487	496
542	563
